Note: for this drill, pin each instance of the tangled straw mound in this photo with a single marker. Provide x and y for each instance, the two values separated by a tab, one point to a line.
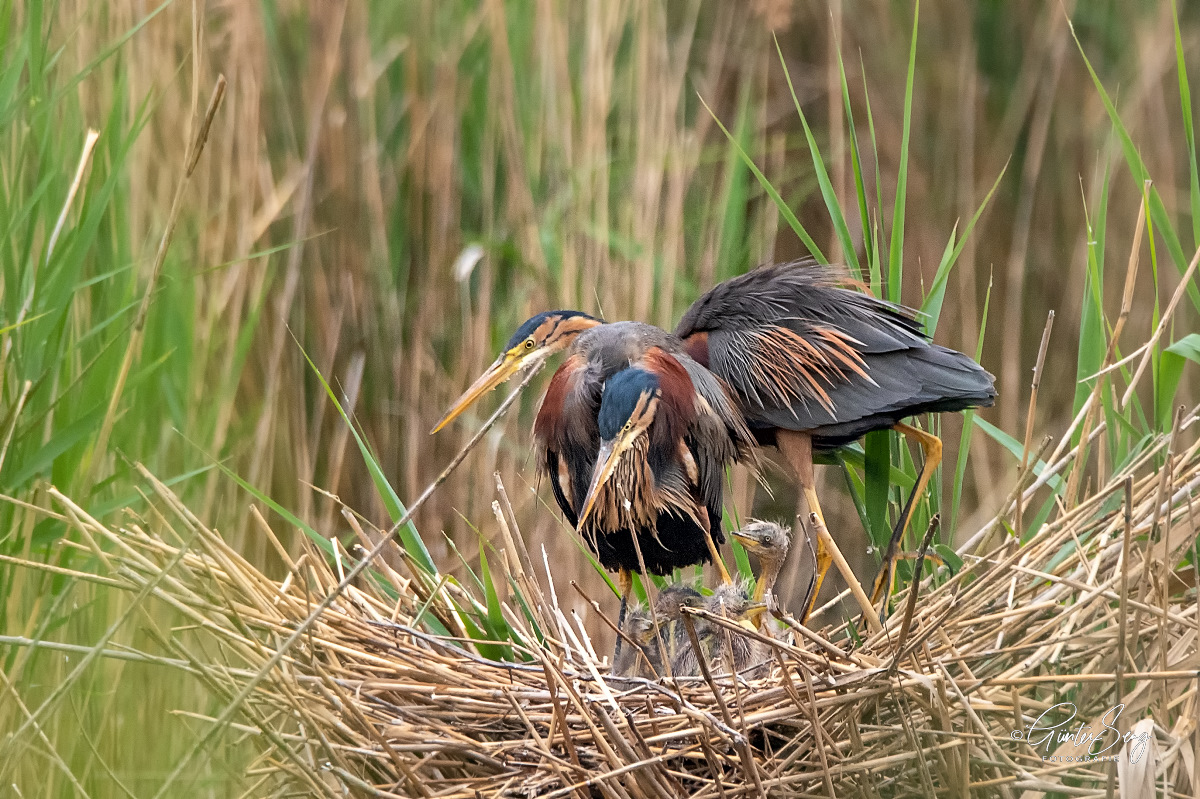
958	695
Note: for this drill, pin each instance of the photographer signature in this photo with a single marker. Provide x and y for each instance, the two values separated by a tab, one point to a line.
1043	733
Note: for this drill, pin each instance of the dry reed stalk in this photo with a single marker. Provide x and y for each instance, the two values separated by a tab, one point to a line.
133	349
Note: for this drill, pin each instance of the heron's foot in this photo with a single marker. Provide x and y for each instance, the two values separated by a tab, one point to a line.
823	561
625	584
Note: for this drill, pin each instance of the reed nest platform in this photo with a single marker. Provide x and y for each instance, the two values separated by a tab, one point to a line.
384	695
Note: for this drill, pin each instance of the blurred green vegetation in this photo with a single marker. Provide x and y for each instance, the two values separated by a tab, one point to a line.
365	150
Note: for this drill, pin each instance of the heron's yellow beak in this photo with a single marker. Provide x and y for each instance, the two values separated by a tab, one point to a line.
606	463
501	369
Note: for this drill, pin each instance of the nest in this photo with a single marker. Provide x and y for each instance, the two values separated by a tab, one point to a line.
990	681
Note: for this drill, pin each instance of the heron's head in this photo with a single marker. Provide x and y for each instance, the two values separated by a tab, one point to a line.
768	540
628	405
734	601
536	340
674	597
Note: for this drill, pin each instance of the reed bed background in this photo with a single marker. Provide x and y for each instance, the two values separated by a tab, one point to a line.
390	188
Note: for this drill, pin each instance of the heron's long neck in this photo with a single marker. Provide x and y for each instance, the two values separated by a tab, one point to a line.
571	328
770	570
627	500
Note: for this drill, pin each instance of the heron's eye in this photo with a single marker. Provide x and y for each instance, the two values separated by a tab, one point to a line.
628	426
529	343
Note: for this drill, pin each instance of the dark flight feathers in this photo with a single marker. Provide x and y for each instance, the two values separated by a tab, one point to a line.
802	353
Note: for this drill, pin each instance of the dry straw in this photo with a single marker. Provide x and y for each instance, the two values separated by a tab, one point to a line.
953	697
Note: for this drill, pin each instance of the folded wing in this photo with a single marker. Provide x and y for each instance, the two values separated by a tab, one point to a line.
802	352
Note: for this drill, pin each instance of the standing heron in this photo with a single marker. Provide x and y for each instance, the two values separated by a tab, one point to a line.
816	365
813	364
634	437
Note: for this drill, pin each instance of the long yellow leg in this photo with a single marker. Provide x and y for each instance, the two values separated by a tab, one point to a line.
716	553
823	558
716	556
625	583
931	446
797	448
810	595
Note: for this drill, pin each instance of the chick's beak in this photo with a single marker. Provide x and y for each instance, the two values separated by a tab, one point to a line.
748	541
753	613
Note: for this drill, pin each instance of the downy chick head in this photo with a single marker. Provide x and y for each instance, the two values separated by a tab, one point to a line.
641	659
768	541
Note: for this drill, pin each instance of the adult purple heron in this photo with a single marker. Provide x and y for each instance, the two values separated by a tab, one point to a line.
812	361
635	436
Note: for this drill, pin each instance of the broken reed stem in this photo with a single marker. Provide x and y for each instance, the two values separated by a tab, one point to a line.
1122	623
134	347
1093	404
1131	271
1123	605
462	453
744	754
26	387
89	144
911	605
1018	514
664	658
981	541
1152	344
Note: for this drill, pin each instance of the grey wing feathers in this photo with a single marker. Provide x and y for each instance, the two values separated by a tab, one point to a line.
802	353
719	428
723	410
776	292
929	380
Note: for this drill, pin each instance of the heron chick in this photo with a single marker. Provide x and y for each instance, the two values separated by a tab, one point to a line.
645	658
769	542
719	645
641	660
669	609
